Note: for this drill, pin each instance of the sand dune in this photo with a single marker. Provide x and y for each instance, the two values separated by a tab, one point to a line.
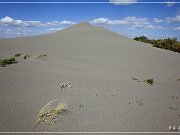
100	66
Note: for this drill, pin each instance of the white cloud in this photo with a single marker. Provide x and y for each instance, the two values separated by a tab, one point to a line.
156	20
55	29
100	21
10	27
176	28
122	2
10	21
32	23
126	20
173	19
134	22
170	3
56	23
153	27
7	19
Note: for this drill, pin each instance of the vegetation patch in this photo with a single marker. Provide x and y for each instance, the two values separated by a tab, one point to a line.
26	56
137	103
176	96
171	44
48	113
81	106
150	81
9	61
17	55
173	108
42	56
134	78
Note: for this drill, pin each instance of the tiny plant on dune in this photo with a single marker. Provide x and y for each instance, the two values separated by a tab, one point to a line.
9	61
150	81
17	55
42	56
134	78
26	56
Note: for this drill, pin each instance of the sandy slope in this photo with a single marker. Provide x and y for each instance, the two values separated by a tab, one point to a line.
99	65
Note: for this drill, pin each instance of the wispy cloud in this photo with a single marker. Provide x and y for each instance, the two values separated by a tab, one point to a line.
156	20
55	29
154	27
173	19
10	27
10	21
134	22
122	2
176	28
169	3
126	20
32	23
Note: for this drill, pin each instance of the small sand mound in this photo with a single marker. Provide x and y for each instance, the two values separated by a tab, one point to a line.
50	111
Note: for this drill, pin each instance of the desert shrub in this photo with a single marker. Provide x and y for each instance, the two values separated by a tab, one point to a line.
17	55
150	81
5	62
169	44
134	78
26	56
42	56
142	39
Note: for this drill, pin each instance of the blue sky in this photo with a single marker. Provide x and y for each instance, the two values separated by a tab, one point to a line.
135	19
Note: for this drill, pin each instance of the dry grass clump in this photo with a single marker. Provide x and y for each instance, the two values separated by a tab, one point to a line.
48	113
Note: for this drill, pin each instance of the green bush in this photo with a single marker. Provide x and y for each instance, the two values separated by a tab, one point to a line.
169	44
26	56
150	81
5	62
17	55
42	56
142	39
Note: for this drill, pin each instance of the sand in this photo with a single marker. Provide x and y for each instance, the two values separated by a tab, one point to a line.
101	67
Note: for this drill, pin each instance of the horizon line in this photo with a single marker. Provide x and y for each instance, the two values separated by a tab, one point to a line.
88	2
89	132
